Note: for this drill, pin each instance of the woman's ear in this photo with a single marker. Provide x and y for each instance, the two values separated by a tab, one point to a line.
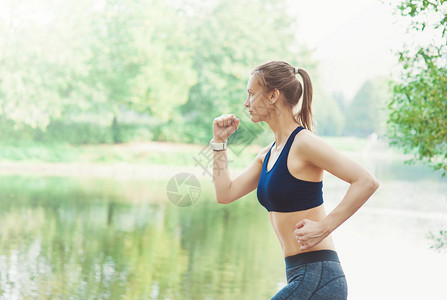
274	95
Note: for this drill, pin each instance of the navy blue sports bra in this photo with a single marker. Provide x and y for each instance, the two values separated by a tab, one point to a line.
278	190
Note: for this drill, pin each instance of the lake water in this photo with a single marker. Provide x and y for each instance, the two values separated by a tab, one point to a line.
99	238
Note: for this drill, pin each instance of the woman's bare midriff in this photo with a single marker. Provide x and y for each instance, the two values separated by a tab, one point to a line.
284	226
284	222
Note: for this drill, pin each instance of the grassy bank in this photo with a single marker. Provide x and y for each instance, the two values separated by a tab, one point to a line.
157	153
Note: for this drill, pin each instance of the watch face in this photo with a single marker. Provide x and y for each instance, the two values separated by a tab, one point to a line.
217	146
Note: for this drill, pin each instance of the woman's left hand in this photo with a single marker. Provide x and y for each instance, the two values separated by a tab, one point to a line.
309	233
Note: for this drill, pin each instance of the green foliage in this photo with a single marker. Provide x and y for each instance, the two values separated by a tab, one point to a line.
141	56
77	133
327	112
439	240
367	111
230	39
38	80
179	62
96	58
418	118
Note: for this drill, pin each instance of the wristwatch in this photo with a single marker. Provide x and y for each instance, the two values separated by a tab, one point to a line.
217	146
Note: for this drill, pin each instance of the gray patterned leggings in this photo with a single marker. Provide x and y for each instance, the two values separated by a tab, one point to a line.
314	275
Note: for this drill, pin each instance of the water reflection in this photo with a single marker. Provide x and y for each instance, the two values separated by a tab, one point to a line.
104	238
59	238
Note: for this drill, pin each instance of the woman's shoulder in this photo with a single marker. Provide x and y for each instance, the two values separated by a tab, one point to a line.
307	141
304	134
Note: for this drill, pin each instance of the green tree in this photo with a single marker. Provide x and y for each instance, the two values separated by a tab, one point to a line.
74	72
141	58
418	117
367	111
87	61
42	60
326	111
230	39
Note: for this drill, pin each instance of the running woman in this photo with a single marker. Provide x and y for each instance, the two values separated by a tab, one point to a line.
288	175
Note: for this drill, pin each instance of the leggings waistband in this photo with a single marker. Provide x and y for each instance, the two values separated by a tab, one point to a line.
310	257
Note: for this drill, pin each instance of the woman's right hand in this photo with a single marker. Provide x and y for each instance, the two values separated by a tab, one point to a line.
224	126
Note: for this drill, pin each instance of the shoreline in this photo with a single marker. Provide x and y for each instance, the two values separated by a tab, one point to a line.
107	170
134	169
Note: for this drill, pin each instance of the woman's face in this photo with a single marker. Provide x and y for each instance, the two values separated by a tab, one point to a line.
257	101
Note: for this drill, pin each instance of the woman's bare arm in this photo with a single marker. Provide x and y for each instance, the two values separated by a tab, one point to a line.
221	175
228	190
363	184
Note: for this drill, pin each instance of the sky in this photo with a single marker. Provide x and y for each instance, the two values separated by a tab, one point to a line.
352	39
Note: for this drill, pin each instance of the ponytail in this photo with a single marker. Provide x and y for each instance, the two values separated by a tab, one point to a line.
304	115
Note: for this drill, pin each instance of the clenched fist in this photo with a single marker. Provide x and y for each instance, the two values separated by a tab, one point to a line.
224	126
